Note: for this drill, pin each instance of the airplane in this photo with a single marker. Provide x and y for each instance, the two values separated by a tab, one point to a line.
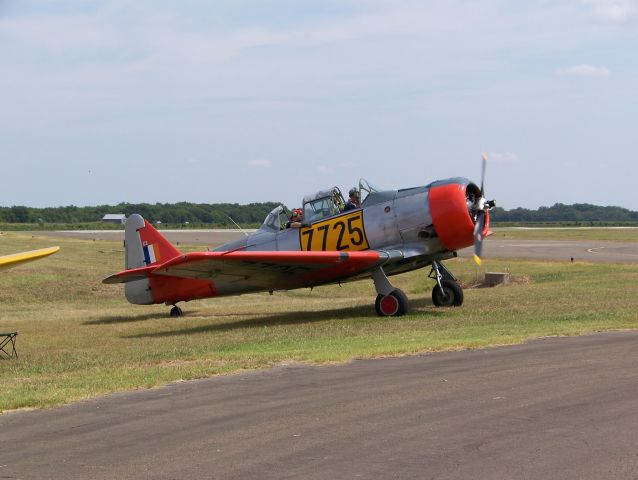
391	232
15	259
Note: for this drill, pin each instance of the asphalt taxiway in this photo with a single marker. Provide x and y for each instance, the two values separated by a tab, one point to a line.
558	250
558	408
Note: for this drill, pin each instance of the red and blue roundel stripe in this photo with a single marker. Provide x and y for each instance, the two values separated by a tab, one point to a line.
151	253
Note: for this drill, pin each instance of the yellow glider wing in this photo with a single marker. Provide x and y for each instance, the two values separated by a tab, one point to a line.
10	261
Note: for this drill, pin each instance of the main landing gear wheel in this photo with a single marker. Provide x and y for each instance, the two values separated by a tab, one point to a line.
176	311
394	304
450	296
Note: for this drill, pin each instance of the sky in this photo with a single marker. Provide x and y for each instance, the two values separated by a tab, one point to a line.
245	101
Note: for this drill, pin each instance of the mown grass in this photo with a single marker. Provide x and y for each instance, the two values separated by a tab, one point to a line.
79	338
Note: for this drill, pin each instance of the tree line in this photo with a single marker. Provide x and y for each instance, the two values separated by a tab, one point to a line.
173	213
559	212
220	214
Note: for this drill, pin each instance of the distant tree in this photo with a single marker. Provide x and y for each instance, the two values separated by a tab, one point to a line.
19	214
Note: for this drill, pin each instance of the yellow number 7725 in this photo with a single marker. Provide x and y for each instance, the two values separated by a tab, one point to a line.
339	233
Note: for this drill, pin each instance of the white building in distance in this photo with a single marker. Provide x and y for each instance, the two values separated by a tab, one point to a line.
118	218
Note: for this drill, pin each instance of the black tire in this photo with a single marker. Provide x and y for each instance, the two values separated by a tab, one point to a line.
176	311
404	304
453	294
400	306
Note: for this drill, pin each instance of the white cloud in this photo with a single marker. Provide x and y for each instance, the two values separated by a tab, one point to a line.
582	71
503	157
619	11
347	164
260	162
169	39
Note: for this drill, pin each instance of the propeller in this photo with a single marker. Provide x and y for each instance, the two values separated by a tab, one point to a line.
483	165
482	225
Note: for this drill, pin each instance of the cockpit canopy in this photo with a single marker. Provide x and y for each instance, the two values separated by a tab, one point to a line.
322	204
366	188
326	203
319	205
274	219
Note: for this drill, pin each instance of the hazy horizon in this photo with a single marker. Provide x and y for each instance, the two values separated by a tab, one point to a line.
283	203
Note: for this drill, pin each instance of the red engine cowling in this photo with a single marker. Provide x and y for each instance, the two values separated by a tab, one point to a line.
450	213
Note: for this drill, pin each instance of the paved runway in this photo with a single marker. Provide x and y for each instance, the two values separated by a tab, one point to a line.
588	251
580	251
559	408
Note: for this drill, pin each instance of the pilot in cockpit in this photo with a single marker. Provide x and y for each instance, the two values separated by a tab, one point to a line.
354	201
296	217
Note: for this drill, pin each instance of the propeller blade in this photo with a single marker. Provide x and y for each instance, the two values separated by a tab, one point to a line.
479	228
483	165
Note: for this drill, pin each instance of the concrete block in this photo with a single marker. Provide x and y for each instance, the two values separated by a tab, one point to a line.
496	278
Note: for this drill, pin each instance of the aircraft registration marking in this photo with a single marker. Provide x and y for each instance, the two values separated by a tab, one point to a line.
345	232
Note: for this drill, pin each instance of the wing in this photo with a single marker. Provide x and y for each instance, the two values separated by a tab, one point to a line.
241	270
10	261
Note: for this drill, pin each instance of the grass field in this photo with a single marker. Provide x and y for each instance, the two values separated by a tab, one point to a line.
79	338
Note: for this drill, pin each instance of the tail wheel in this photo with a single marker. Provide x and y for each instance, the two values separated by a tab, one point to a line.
394	304
176	311
450	296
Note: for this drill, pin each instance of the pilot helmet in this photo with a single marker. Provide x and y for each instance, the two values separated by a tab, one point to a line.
354	192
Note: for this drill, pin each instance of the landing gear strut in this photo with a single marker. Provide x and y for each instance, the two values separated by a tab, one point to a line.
390	302
447	292
176	311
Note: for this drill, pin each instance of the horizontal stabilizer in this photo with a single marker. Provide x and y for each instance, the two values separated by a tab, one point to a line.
129	275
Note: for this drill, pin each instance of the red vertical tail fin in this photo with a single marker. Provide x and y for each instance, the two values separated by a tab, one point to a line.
144	246
155	247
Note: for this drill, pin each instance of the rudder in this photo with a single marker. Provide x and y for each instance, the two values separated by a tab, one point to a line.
143	246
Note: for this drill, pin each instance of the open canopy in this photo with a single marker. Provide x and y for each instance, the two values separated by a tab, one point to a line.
318	205
328	202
